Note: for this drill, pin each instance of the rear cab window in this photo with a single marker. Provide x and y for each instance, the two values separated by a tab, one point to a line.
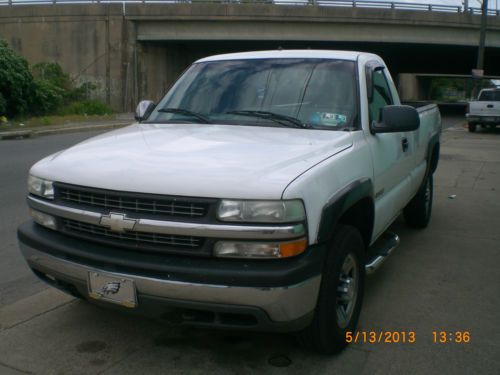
489	96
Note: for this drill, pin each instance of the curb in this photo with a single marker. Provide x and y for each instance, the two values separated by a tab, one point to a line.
23	134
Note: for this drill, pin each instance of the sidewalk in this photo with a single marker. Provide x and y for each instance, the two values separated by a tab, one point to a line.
120	120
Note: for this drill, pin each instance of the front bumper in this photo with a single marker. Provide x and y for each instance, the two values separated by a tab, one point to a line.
277	295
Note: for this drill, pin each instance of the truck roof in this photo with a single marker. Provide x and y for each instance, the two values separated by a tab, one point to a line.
277	54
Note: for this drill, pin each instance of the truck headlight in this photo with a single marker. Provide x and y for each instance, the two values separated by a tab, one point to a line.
262	250
40	187
261	211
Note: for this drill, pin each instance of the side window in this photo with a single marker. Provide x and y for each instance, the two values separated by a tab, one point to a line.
381	95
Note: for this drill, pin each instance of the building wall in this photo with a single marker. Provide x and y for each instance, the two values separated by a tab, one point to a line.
86	41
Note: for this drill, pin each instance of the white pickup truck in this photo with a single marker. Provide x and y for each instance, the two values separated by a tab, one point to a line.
484	111
255	195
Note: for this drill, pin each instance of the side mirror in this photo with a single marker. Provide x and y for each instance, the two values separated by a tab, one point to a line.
144	109
397	118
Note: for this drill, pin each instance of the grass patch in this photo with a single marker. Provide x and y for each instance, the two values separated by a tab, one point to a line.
86	108
76	112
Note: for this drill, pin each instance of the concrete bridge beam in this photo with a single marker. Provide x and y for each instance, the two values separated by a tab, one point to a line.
134	51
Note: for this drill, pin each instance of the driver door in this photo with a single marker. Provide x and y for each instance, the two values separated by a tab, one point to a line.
391	155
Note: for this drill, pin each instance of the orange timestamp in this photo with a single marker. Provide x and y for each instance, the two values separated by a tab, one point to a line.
445	337
374	337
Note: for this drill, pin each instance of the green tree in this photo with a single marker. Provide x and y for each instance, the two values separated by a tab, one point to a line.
16	82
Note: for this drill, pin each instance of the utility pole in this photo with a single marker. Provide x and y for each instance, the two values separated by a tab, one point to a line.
482	36
478	73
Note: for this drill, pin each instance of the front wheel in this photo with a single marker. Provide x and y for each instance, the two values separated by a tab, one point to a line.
418	212
472	127
341	294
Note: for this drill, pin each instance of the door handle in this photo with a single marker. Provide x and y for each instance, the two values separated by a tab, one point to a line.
405	144
490	106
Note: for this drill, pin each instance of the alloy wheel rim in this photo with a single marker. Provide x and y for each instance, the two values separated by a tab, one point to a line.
347	290
427	196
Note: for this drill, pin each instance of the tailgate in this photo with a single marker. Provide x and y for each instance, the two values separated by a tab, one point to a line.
481	108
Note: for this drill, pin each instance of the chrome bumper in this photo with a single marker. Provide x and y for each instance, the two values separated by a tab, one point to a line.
483	118
282	304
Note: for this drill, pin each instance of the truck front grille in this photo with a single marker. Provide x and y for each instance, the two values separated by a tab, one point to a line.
157	242
150	204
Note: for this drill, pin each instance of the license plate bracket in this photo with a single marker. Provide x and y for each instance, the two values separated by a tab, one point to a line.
112	288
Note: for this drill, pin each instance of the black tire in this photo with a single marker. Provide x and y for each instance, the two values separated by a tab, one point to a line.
418	212
327	332
472	127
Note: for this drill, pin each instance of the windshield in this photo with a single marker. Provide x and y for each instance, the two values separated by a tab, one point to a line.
317	93
490	96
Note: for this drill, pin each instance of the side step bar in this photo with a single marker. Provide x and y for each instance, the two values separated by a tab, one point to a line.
385	246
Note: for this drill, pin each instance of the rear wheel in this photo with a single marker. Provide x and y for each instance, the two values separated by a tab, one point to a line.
418	212
341	294
472	127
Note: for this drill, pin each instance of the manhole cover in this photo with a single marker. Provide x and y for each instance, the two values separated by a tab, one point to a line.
279	361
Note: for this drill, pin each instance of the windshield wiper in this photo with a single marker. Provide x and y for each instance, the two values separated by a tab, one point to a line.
187	112
276	117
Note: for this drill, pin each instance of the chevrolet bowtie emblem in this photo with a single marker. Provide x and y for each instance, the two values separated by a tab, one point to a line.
117	222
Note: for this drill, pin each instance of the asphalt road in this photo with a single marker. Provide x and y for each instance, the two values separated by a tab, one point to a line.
16	157
444	278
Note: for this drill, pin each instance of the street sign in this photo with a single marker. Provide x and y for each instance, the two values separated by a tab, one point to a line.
477	73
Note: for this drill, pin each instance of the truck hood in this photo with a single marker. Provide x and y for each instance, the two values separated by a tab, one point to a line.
220	161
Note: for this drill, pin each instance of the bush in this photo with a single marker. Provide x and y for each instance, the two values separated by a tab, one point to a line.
53	73
47	97
44	90
82	92
3	104
51	87
56	93
86	107
16	82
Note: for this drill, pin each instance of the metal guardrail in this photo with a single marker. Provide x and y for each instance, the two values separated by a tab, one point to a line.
325	3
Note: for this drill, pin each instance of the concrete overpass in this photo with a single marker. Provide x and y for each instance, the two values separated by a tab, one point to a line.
135	51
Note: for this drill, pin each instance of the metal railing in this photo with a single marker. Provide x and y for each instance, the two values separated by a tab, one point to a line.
432	7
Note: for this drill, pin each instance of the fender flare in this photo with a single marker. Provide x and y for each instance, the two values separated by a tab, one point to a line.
339	203
432	161
433	146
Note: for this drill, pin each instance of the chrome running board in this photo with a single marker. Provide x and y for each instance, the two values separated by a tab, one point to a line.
386	245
